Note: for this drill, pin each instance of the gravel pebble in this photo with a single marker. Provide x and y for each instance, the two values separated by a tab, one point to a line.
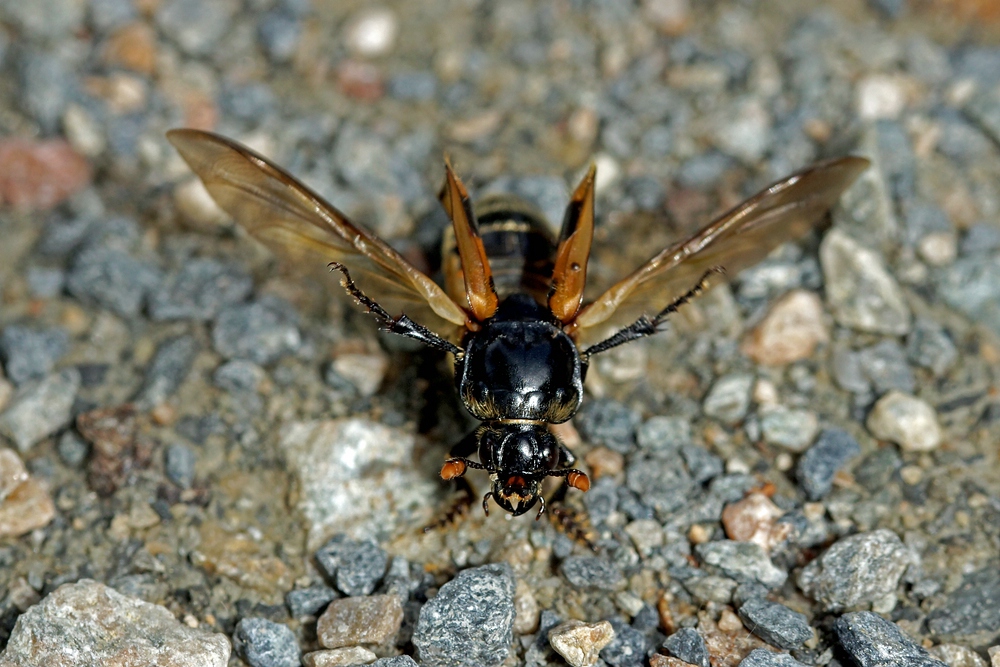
608	423
264	643
972	611
112	279
196	27
395	661
470	621
591	572
355	565
760	657
954	655
373	619
179	464
92	619
309	601
660	484
729	398
930	346
906	420
885	367
12	472
855	571
745	562
580	643
754	519
627	648
199	291
872	641
688	645
339	657
239	376
969	286
663	435
790	331
29	353
28	507
861	292
818	466
261	331
40	409
168	369
793	430
775	623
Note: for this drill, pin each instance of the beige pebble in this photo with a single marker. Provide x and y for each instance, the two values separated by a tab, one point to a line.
954	655
790	331
580	643
604	462
27	508
754	519
364	371
526	609
939	248
880	96
699	534
660	660
339	657
911	474
360	620
994	653
906	420
730	622
12	472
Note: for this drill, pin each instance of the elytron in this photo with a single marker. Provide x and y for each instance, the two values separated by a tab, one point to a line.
511	309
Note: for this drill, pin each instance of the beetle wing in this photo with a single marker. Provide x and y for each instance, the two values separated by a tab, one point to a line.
738	239
299	225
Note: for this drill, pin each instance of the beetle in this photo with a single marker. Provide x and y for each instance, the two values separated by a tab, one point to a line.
511	309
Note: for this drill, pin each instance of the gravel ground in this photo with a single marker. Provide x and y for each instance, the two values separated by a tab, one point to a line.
207	459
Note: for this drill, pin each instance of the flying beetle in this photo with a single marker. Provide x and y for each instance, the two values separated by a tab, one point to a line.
511	309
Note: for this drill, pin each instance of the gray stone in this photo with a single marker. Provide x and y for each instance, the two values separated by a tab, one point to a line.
866	212
199	291
746	562
954	655
309	601
848	373
278	33
703	171
167	371
662	485
264	643
729	398
872	641
969	286
711	588
746	592
761	657
261	331
930	346
775	623
92	620
663	435
984	109
471	620
179	464
592	572
395	661
923	219
112	279
608	423
816	468
687	645
884	364
40	409
29	353
355	565
982	238
195	26
972	611
701	463
876	469
793	430
239	376
46	87
106	15
45	282
72	449
857	571
46	19
627	649
862	294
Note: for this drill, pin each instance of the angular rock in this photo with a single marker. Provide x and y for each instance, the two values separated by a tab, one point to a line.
761	657
356	565
264	643
729	398
580	643
817	467
972	612
790	331
179	464
196	27
906	420
30	354
969	286
793	430
309	601
930	346
89	619
862	294
362	620
745	562
261	331
687	645
659	482
239	376
167	371
12	472
199	291
857	571
27	508
592	572
775	623
111	278
885	367
339	657
395	661
359	477
470	621
872	641
954	655
608	423
627	649
663	434
754	519
40	409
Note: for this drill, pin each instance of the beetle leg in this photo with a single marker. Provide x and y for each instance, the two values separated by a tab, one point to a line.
645	326
402	325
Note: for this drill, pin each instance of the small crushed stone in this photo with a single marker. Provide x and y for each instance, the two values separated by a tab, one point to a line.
263	643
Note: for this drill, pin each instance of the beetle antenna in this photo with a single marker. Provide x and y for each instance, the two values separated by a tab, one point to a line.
402	325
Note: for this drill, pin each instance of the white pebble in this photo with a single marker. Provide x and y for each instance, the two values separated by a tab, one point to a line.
906	420
372	32
880	96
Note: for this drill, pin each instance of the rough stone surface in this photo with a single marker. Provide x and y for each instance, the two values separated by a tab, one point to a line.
688	645
972	611
591	572
339	657
817	467
201	289
745	562
40	409
355	565
627	649
861	293
27	508
362	620
872	641
30	354
954	655
470	621
168	369
580	643
87	623
793	430
309	601
775	623
761	657
608	423
729	398
906	420
111	278
264	643
790	331
857	571
261	331
754	519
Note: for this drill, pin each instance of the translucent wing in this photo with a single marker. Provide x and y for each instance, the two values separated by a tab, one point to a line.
300	226
740	238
